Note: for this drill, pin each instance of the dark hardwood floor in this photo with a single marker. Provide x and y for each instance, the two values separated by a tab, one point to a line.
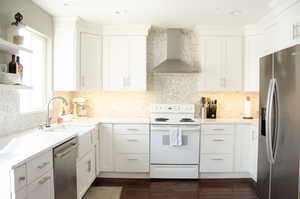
182	189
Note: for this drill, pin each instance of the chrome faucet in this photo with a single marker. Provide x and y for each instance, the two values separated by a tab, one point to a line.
48	120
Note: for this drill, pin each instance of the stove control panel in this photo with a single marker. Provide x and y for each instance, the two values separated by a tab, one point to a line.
173	108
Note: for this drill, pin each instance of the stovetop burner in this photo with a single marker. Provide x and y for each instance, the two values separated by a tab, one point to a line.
187	120
161	119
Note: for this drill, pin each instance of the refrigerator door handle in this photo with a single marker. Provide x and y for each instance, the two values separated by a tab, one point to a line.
269	109
277	122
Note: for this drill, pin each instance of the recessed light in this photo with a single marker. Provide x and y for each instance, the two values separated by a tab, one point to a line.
121	12
235	13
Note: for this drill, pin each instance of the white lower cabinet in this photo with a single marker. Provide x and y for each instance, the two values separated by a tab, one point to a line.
86	161
86	172
42	188
34	178
229	151
124	148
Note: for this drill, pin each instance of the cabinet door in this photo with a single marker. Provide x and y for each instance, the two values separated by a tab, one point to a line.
115	63
85	173
243	148
106	148
137	75
254	152
252	55
232	69
212	56
42	188
90	61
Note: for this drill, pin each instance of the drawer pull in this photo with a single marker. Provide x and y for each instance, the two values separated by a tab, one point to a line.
218	129
218	140
132	140
43	165
132	129
132	159
217	159
22	178
44	180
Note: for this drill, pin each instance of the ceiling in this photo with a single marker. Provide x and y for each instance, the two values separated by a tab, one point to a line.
166	13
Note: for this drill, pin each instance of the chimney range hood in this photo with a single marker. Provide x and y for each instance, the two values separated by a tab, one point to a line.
173	63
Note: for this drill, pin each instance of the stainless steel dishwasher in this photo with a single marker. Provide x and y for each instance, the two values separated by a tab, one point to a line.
65	183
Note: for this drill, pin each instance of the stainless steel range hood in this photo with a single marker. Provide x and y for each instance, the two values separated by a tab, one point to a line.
173	63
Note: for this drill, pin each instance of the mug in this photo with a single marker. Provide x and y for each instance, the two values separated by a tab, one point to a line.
3	68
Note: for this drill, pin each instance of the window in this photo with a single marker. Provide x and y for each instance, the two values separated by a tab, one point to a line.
35	72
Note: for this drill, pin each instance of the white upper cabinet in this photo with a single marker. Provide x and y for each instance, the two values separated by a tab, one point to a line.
77	55
221	63
125	58
252	56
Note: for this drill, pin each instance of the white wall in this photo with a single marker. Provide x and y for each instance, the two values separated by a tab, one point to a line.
10	118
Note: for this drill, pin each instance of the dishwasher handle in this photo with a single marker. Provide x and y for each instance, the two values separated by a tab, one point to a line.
66	151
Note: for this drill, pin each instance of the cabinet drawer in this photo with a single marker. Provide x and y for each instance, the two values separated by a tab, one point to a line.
21	194
39	166
132	163
20	177
42	187
216	163
131	129
217	144
217	129
132	143
85	144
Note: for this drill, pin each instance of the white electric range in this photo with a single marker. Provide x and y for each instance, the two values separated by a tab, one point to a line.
175	141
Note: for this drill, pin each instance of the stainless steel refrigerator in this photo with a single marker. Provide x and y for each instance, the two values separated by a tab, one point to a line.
279	139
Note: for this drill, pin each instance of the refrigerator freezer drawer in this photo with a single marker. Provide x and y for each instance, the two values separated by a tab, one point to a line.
174	171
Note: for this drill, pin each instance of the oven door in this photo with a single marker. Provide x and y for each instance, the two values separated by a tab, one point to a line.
162	152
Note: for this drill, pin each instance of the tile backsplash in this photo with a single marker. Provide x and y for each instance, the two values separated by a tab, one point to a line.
11	120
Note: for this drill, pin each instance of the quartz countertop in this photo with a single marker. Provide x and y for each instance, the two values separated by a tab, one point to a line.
95	121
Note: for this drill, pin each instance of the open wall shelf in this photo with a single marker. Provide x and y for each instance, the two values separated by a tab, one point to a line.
9	47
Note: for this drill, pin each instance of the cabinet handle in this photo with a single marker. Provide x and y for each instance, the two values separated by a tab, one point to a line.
22	178
217	159
132	130
132	140
218	129
218	140
89	165
132	159
44	180
43	165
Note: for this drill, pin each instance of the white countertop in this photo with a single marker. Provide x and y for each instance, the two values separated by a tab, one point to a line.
18	148
95	121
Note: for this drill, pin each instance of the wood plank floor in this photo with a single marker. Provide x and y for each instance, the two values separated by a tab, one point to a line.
182	189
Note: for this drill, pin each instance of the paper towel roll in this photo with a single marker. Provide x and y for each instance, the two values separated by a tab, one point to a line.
247	108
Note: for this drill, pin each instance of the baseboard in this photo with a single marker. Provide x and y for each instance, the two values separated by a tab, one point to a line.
227	175
124	175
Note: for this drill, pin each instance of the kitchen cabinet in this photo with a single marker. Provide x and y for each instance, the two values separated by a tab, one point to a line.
252	55
246	149
124	63
221	59
217	146
33	179
77	55
124	148
86	172
42	188
106	148
86	161
131	146
125	58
